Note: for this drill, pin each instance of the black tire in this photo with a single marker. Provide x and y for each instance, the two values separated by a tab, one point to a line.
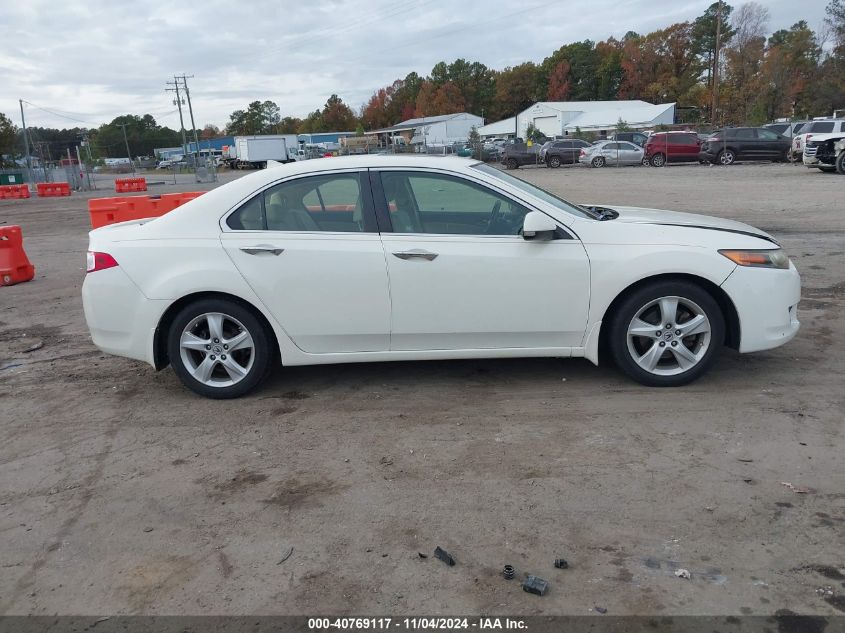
554	162
658	160
598	161
631	306
511	163
262	352
726	157
840	163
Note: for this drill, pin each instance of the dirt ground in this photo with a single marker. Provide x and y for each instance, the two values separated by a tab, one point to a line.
123	493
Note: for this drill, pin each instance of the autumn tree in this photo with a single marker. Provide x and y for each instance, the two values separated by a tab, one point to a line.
559	82
337	116
209	131
743	79
517	88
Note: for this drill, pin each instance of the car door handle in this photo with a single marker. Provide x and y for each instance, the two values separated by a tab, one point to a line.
415	254
262	248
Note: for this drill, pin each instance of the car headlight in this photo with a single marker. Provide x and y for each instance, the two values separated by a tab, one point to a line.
774	258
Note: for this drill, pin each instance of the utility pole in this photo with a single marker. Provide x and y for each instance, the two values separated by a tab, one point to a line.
184	79
26	147
178	103
125	140
716	62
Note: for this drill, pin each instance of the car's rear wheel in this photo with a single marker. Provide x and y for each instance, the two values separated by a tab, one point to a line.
727	157
598	161
658	160
840	163
554	161
218	348
666	334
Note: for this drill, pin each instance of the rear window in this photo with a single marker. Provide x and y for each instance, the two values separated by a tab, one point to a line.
820	127
798	127
682	139
780	128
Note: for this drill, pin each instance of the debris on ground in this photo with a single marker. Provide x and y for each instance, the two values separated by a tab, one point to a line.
683	573
421	555
561	563
287	555
443	555
508	572
601	610
535	585
148	529
801	490
386	460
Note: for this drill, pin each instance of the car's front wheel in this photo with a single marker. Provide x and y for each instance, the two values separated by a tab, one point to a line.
598	161
840	163
511	163
666	334
218	348
727	157
554	162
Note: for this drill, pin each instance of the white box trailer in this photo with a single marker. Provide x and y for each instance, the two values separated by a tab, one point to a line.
254	151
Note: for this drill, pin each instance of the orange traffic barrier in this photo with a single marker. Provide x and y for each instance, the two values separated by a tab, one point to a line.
14	191
53	189
105	211
123	185
14	266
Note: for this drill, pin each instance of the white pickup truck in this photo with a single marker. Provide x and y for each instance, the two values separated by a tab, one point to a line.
826	126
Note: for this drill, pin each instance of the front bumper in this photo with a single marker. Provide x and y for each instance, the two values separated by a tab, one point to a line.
766	302
122	321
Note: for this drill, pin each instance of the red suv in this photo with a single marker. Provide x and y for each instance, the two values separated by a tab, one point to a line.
672	147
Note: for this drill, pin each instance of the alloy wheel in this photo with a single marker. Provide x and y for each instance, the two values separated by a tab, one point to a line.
216	349
669	336
726	157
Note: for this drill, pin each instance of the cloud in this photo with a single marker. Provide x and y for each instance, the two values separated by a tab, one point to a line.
97	59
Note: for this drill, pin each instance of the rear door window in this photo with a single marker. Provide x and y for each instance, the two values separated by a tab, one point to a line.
767	135
821	127
745	133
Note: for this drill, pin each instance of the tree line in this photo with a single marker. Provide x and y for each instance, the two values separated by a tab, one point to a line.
795	72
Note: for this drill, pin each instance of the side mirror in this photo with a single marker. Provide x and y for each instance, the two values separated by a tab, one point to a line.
538	226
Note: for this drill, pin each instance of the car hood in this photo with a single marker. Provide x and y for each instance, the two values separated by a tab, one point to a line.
637	215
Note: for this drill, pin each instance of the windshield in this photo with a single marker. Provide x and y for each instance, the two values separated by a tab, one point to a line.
545	196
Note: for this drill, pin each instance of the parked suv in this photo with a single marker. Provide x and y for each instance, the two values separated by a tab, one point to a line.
672	147
731	144
516	154
557	153
827	126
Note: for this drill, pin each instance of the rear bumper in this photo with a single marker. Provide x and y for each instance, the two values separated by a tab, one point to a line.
122	321
766	302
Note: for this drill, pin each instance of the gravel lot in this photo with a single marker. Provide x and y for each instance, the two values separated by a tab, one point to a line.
122	492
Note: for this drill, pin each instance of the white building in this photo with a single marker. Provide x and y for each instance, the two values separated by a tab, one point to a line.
444	129
563	118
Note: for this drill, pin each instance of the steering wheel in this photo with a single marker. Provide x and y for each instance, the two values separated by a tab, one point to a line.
494	218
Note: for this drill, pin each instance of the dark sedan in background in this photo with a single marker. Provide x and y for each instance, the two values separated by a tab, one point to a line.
729	145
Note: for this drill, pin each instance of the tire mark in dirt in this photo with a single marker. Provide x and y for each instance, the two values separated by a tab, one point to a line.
27	581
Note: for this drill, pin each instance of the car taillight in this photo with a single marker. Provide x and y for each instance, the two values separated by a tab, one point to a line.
99	261
583	153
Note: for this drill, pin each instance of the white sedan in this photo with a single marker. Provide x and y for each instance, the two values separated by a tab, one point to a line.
377	258
613	153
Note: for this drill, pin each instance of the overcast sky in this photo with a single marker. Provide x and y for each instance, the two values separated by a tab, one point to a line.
93	60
